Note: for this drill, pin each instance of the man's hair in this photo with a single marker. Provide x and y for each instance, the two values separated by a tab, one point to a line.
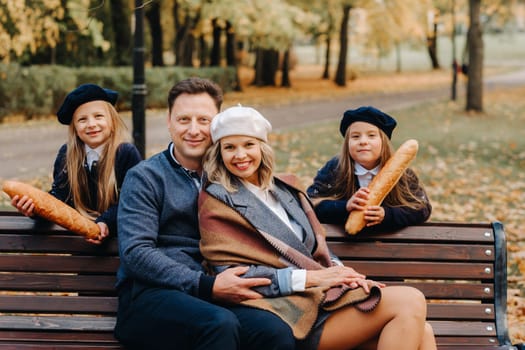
193	86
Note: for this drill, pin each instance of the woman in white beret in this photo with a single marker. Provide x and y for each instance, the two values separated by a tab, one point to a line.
248	217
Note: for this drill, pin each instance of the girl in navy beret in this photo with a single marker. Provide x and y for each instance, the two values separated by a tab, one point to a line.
90	168
341	185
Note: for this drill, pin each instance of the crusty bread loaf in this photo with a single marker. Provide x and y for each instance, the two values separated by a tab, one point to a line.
383	183
53	209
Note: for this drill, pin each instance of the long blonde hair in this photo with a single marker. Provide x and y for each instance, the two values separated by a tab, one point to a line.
346	184
217	172
107	192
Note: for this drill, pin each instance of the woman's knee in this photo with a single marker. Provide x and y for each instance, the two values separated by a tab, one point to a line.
406	300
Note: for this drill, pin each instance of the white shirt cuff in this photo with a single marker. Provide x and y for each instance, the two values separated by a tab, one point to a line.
298	280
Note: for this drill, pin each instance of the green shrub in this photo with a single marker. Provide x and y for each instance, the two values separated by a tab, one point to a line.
37	91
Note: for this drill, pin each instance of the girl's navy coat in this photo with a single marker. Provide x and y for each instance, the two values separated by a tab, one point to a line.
127	156
334	211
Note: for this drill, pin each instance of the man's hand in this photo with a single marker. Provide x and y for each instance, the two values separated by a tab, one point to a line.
230	288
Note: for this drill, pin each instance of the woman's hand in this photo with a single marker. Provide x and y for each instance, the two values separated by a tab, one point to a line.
338	275
104	232
358	200
332	276
24	205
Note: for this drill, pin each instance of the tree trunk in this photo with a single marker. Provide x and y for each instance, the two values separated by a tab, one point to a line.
215	55
185	43
340	75
398	57
120	16
285	78
231	57
176	23
432	47
203	52
475	59
153	16
257	77
326	72
266	66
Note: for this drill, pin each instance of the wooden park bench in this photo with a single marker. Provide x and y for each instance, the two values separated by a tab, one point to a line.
57	291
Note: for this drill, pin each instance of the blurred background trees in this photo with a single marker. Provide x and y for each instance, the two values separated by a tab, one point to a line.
260	34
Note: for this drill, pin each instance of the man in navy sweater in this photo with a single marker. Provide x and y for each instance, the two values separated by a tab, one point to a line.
166	299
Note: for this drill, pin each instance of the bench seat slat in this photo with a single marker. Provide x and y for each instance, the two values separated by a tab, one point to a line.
66	322
57	304
464	328
45	243
460	311
450	290
41	345
57	336
469	343
412	269
58	263
425	233
58	283
423	252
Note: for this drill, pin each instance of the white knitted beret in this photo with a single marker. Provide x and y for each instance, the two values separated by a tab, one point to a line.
239	120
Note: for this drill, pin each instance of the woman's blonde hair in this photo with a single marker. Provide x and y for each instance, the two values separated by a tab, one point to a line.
107	193
345	186
217	172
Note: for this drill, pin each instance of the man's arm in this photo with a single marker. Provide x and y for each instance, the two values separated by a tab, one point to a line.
144	254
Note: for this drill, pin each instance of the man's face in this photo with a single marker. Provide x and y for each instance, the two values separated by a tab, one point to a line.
189	126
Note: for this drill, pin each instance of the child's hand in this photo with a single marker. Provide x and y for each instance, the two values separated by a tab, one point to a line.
358	200
104	232
374	215
23	204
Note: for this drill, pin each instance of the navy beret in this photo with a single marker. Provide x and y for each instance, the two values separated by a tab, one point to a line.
370	115
83	94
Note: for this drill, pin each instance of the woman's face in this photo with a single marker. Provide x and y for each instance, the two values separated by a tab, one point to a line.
242	157
364	142
92	123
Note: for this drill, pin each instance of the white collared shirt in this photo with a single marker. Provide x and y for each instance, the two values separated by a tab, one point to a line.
298	278
364	175
93	154
195	177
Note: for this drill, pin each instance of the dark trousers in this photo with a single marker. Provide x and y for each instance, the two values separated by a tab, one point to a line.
155	318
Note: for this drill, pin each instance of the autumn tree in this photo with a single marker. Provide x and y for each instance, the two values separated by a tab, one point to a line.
475	59
120	21
340	73
27	28
152	14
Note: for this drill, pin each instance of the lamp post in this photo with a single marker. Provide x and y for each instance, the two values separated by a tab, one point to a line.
139	85
454	61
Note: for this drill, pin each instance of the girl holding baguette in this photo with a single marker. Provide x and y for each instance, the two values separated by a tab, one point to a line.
90	168
341	185
248	217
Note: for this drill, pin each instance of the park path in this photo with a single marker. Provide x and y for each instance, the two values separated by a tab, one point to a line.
28	150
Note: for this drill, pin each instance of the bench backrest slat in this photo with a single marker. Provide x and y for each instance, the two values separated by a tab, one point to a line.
58	304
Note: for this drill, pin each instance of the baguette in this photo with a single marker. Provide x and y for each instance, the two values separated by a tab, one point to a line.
53	209
383	183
